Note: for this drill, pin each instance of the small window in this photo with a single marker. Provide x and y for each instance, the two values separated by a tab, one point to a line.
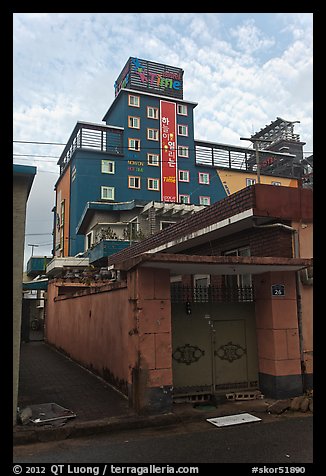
89	240
250	181
276	183
62	213
182	130
153	159
134	144
183	151
152	134
107	167
134	122
182	109
133	100
204	200
184	175
166	224
107	193
184	198
203	178
153	184
134	182
152	112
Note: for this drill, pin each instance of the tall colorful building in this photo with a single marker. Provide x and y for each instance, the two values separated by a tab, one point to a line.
146	151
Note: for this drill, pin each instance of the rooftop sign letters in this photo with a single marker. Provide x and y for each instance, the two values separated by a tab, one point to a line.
151	77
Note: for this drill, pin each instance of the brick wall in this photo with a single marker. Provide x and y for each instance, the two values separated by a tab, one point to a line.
281	203
227	207
268	242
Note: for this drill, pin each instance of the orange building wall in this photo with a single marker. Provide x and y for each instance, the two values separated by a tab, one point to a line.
63	193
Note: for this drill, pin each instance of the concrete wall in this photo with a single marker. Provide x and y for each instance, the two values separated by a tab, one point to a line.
92	328
21	188
151	339
122	334
278	336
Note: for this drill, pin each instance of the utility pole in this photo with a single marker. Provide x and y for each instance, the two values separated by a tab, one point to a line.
255	144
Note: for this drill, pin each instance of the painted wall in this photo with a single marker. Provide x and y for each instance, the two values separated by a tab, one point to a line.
122	334
234	180
278	336
63	193
305	235
21	187
93	330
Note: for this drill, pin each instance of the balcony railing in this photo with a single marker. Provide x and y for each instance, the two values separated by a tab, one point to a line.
241	158
91	136
210	294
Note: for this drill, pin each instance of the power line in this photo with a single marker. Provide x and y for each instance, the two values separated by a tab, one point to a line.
38	234
34	142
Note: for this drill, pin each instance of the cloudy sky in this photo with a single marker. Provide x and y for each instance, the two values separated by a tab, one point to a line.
243	70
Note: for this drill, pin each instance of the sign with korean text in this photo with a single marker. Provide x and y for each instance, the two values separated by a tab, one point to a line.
168	129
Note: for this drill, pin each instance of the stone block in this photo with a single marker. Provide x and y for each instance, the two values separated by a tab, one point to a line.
279	406
296	403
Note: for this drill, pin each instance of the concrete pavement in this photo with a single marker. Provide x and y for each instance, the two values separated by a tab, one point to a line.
48	376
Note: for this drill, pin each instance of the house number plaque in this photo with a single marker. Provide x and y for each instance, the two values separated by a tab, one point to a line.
278	290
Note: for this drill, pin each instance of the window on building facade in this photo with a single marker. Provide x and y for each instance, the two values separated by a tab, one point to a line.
134	144
62	213
238	280
204	200
107	193
153	184
250	181
152	134
183	151
133	100
89	240
184	198
201	284
203	178
133	182
166	224
182	130
107	166
152	112
182	109
134	122
153	159
184	175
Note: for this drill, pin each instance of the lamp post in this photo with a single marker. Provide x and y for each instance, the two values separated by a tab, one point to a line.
255	144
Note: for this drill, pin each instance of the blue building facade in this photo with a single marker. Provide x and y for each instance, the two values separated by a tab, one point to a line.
146	151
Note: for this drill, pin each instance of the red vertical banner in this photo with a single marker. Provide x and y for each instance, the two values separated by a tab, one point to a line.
168	125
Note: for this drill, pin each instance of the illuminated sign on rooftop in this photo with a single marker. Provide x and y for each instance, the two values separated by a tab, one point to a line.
157	78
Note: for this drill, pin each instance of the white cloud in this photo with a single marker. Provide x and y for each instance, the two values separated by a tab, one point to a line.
249	38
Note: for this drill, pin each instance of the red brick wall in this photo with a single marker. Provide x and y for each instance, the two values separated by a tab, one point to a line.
262	242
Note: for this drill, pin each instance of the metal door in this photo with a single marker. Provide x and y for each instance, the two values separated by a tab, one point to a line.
234	360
